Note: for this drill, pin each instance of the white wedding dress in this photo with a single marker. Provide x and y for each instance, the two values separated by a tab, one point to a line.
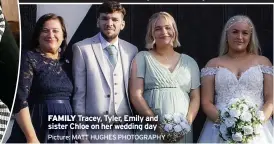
249	86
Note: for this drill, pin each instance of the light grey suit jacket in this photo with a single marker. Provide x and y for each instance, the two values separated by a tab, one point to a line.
91	81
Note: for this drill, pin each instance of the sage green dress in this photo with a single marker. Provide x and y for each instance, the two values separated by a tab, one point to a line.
167	92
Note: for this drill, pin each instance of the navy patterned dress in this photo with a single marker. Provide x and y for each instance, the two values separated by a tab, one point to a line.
45	87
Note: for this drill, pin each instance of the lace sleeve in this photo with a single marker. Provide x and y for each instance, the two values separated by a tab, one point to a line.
267	69
24	84
208	71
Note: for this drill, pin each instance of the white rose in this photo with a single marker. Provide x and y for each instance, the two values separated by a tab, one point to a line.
244	107
185	126
223	128
229	122
223	112
178	128
168	117
176	114
182	117
168	127
233	101
250	104
224	136
247	130
234	113
237	137
176	119
258	128
246	116
260	115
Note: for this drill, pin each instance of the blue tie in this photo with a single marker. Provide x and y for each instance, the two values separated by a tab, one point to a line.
113	54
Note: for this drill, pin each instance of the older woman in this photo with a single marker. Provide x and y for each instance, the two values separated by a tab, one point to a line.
163	81
239	72
44	86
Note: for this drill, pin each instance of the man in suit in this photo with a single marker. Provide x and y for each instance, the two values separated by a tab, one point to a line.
101	66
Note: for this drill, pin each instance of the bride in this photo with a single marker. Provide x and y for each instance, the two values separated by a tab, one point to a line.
239	72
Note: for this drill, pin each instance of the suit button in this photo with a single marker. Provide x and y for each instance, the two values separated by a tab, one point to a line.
106	112
115	83
115	74
115	93
108	96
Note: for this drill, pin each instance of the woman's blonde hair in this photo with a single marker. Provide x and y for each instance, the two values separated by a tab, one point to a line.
150	38
253	46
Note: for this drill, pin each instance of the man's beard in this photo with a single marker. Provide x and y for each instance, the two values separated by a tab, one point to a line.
109	38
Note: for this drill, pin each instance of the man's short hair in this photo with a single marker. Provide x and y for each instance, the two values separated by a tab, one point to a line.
111	7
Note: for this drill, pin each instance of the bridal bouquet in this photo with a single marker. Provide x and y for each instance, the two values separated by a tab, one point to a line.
174	126
240	122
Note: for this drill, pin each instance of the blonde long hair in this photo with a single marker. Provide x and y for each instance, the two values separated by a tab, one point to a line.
253	46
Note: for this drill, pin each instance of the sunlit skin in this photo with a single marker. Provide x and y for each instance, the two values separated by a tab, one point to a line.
238	36
110	25
164	36
163	33
51	38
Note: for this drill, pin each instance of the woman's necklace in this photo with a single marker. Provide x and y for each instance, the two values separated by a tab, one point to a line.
166	58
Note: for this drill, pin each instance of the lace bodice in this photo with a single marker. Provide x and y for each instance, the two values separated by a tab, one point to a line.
40	79
248	86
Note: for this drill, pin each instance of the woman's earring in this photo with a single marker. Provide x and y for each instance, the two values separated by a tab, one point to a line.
59	49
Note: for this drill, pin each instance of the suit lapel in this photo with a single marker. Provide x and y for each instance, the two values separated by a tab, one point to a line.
125	63
98	51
